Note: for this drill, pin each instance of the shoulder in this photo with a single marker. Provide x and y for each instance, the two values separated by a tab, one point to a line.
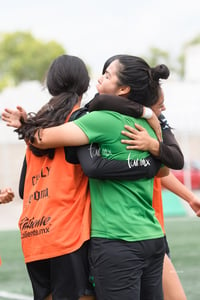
78	113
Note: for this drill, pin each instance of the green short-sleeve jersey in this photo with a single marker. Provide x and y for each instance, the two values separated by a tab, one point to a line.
120	209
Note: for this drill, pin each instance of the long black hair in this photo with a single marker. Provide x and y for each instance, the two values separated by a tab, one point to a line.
66	80
144	81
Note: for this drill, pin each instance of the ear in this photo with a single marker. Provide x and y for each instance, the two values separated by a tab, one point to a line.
124	90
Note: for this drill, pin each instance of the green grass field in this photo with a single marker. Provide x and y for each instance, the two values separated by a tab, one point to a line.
182	233
183	239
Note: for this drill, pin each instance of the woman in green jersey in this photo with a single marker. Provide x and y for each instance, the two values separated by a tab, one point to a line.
127	247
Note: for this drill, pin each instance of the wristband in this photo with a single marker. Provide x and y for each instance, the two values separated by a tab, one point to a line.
147	112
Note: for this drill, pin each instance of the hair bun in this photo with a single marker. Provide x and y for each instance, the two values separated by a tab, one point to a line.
160	72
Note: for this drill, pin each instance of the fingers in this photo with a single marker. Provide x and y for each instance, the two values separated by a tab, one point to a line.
6	196
133	130
128	134
130	129
6	118
6	114
131	133
5	191
128	142
8	110
139	127
21	110
11	117
9	190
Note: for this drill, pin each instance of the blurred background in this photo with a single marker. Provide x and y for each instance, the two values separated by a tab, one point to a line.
33	33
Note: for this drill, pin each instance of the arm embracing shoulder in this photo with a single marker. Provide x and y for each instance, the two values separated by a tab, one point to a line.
95	166
125	106
114	103
170	153
68	134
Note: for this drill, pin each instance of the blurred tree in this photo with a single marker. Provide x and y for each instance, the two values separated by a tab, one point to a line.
181	58
157	56
23	57
181	68
194	41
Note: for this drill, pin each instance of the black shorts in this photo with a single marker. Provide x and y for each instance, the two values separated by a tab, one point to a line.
167	250
65	277
127	270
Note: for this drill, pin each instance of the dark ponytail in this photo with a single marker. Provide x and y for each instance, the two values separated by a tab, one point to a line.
67	79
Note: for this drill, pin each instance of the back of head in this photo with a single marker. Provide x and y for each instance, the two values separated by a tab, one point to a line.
144	81
67	74
67	79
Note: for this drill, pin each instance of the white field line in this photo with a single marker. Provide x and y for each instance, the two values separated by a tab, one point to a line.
13	296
